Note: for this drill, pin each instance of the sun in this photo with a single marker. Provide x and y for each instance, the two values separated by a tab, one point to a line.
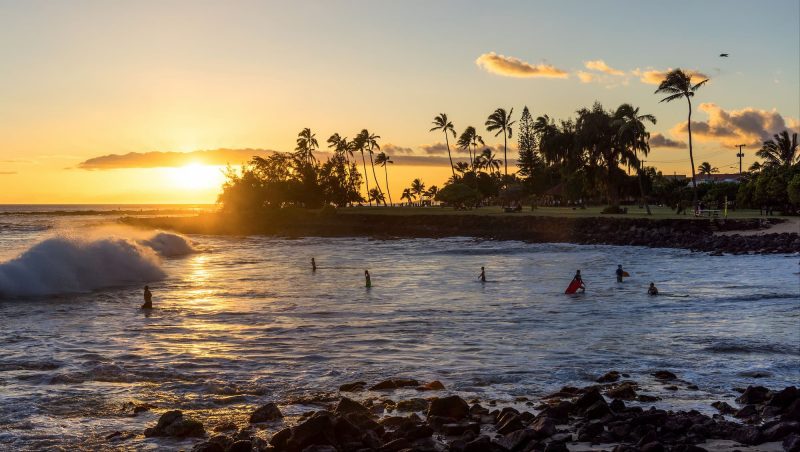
196	176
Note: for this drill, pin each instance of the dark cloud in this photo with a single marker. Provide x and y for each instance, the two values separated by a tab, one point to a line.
749	126
658	140
158	159
392	149
434	149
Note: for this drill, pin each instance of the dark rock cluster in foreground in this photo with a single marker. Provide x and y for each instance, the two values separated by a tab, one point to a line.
595	414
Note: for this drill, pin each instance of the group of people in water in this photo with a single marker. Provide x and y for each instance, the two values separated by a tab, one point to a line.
577	280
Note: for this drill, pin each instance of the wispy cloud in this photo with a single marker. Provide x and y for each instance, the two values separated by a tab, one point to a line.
585	77
601	66
7	173
658	140
655	76
514	67
158	159
749	126
391	149
434	149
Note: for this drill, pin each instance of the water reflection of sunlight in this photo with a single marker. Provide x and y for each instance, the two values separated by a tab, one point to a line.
200	294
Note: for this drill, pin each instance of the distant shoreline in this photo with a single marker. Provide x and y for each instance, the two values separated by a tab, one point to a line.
690	233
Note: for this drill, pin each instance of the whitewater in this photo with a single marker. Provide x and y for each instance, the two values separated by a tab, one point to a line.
244	320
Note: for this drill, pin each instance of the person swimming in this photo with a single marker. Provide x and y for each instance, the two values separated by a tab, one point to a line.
313	265
368	279
148	298
620	273
652	289
482	276
578	278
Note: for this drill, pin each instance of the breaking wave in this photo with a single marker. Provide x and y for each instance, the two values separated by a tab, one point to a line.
61	265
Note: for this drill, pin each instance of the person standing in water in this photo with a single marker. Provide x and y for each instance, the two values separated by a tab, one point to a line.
482	276
313	265
367	278
652	290
148	298
579	280
620	273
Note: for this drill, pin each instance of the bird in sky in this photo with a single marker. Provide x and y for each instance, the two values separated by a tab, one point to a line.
723	55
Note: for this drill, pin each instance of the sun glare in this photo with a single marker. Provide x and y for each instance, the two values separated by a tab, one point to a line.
196	176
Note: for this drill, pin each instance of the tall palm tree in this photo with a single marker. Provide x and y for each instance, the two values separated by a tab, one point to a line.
705	169
488	161
468	141
342	147
306	145
501	122
417	188
359	144
780	150
383	160
372	145
633	133
676	85
407	195
442	123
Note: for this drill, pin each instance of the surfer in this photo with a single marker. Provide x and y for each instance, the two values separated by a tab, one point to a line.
578	281
652	289
482	276
148	298
620	273
367	278
313	265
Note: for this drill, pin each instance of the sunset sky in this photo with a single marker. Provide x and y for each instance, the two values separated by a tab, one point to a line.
80	80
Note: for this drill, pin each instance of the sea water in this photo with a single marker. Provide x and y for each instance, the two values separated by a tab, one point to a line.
239	321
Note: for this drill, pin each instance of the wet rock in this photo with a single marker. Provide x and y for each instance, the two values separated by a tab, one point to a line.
654	446
753	395
590	431
208	447
665	375
435	385
281	438
415	404
394	384
516	440
791	443
479	444
556	447
172	423
784	397
543	427
623	391
724	407
598	410
243	445
746	412
792	413
617	406
747	434
558	412
316	430
588	399
353	387
645	398
609	377
346	405
780	430
453	407
460	428
317	448
266	413
510	422
396	445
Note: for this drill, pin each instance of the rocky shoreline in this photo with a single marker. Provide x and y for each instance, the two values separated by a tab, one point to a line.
611	415
693	234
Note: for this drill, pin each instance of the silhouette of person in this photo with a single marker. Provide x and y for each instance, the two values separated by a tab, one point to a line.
652	289
313	265
148	298
482	276
367	278
580	280
620	273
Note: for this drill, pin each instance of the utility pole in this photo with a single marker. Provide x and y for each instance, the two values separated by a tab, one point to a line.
740	155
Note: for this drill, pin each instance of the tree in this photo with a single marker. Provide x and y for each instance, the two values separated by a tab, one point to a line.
442	123
458	195
526	142
488	161
432	191
372	145
706	169
633	133
676	85
780	150
407	195
501	122
377	196
468	141
383	160
306	145
417	188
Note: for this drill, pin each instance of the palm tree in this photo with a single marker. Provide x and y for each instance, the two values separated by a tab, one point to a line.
501	122
705	169
372	145
377	196
383	160
633	133
468	141
417	188
432	191
442	123
306	145
407	195
677	84
780	150
487	160
359	143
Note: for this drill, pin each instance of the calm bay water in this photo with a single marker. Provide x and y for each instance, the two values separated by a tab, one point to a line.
245	320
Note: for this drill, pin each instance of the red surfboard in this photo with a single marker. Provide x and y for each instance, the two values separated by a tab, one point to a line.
573	287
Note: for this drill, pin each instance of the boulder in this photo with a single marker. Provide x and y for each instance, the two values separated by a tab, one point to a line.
172	423
664	375
791	443
415	404
598	410
543	427
724	407
780	430
394	384
435	385
266	413
754	395
353	387
622	391
453	407
347	405
588	399
609	377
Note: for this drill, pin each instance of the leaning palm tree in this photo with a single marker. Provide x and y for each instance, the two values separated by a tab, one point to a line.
306	145
407	195
780	150
501	122
372	146
468	141
676	85
442	123
359	144
417	188
383	160
633	133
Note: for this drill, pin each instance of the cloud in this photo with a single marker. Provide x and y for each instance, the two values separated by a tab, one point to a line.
434	149
158	159
7	173
514	67
748	126
585	77
654	76
601	66
392	149
658	140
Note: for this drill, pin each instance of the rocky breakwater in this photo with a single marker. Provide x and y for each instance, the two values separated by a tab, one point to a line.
611	415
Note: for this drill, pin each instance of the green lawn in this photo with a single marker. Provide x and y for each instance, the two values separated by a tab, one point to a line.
633	212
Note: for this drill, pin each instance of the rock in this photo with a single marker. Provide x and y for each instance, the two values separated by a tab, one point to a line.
617	406
791	443
346	405
353	387
792	413
479	444
644	398
598	410
780	430
623	391
316	448
590	431
654	446
556	447
753	395
172	423
394	384
543	427
558	412
664	375
280	438
266	413
460	428
588	399
396	445
415	404
784	397
516	440
208	447
243	445
724	407
608	377
746	412
435	385
510	422
747	434
225	427
316	430
453	406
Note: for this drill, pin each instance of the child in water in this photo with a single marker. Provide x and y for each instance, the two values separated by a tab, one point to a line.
482	276
367	278
652	290
148	298
313	265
